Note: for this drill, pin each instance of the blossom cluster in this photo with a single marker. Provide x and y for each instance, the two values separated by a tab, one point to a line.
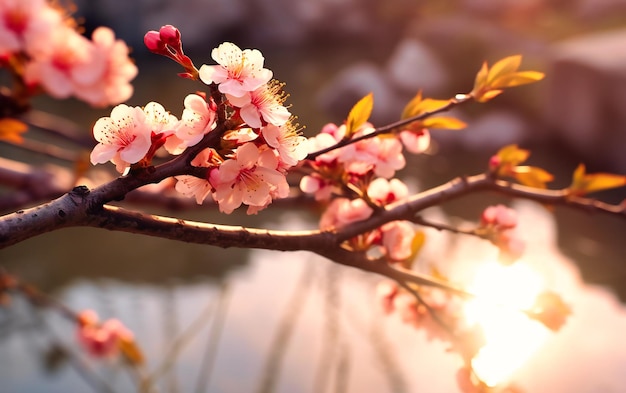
248	165
101	339
367	166
499	222
42	46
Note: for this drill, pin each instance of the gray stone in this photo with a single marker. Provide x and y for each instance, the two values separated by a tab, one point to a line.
488	132
586	96
353	83
414	66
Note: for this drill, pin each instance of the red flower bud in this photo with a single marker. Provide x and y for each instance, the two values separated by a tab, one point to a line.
153	42
170	35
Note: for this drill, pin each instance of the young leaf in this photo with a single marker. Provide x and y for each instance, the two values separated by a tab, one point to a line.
550	310
480	83
11	130
412	107
131	351
506	66
583	183
490	81
517	79
449	123
419	105
532	176
359	114
512	155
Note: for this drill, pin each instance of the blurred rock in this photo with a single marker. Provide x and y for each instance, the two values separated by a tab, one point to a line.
488	132
352	84
586	96
599	9
276	22
414	66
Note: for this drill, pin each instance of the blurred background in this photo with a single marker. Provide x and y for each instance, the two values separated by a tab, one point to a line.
330	53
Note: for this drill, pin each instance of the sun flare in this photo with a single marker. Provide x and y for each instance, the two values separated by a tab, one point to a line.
511	337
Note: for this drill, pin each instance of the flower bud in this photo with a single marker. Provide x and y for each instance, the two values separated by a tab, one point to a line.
170	35
153	42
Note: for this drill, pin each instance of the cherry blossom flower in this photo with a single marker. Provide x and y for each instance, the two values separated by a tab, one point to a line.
385	294
238	71
397	239
501	221
124	137
500	217
291	146
383	156
262	104
383	191
191	186
26	24
389	157
113	85
66	61
343	211
101	340
415	142
197	120
320	187
249	178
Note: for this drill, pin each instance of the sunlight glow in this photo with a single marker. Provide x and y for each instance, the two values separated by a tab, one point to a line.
511	337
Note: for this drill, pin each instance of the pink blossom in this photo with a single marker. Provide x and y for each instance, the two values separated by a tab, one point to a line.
291	146
383	191
500	217
197	120
386	291
383	156
101	340
343	211
158	119
322	141
66	61
397	240
389	157
502	221
26	24
249	178
322	188
415	142
262	104
124	137
238	71
113	85
405	305
191	186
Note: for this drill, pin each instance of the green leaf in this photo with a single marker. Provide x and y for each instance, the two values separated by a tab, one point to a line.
359	114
